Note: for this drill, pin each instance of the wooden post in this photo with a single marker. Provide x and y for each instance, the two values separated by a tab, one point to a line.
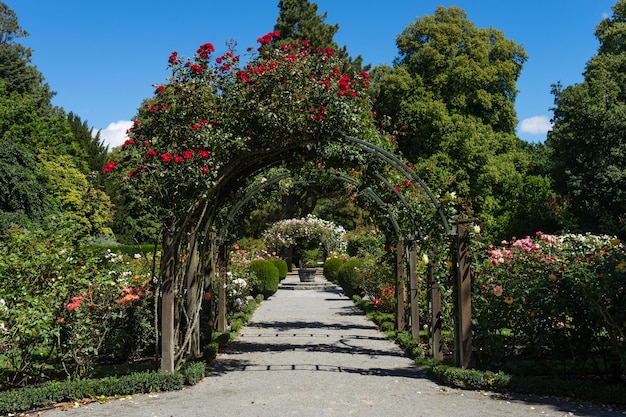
415	311
435	308
400	287
461	269
222	324
167	301
193	298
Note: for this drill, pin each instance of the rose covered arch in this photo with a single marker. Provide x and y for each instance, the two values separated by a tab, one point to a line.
215	122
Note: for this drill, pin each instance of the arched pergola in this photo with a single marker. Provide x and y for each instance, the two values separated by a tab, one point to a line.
455	229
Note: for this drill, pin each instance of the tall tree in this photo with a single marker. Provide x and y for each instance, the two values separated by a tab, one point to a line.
15	61
449	99
95	152
298	20
588	140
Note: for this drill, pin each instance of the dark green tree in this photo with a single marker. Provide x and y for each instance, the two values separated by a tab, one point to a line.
449	100
588	140
298	20
15	61
95	152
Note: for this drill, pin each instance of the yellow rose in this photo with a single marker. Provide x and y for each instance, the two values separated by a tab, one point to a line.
508	300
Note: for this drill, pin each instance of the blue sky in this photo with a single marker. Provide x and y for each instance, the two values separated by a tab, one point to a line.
102	58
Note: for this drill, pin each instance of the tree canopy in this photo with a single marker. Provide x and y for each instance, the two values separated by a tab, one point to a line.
449	101
588	140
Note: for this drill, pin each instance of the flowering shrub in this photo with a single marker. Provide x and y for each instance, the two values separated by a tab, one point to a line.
62	301
241	281
560	297
306	232
110	316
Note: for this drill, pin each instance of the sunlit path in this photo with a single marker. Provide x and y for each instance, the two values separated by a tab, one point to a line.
311	353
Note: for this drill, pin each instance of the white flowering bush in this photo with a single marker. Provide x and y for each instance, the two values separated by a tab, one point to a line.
306	232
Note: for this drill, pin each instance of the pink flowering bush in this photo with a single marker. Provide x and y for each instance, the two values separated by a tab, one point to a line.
551	297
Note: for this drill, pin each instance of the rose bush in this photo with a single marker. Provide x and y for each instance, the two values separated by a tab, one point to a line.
552	297
64	299
306	232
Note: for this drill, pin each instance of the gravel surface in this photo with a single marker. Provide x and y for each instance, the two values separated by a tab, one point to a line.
312	353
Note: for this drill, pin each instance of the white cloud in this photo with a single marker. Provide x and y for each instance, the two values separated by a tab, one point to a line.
115	133
535	125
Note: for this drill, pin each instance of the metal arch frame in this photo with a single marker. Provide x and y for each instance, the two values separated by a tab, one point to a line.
268	159
319	173
410	174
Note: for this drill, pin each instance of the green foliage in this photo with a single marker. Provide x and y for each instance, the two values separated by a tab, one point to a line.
346	277
471	378
15	61
25	399
298	20
193	372
281	265
449	101
364	240
210	352
94	151
61	302
551	299
23	192
331	268
588	142
267	277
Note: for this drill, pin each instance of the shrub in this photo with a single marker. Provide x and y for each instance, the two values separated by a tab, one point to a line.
364	240
281	265
331	268
471	378
194	372
346	277
267	277
24	399
210	351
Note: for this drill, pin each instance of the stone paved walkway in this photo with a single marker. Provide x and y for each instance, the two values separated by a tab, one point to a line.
311	353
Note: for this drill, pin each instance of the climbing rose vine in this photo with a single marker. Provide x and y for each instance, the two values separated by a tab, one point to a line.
214	109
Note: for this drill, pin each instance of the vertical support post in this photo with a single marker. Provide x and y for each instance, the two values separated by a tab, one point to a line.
168	345
192	299
211	281
415	312
222	324
461	268
400	287
435	308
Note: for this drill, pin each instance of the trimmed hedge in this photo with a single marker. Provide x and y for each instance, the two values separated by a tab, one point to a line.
281	265
28	398
346	277
267	277
331	269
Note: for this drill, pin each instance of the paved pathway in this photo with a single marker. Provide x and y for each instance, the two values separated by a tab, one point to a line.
311	353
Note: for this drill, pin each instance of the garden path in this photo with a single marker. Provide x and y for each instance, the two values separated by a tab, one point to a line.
312	353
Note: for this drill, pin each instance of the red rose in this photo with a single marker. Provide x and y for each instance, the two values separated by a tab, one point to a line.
151	153
166	157
109	167
187	154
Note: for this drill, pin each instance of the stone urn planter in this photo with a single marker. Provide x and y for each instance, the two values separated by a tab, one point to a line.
307	274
